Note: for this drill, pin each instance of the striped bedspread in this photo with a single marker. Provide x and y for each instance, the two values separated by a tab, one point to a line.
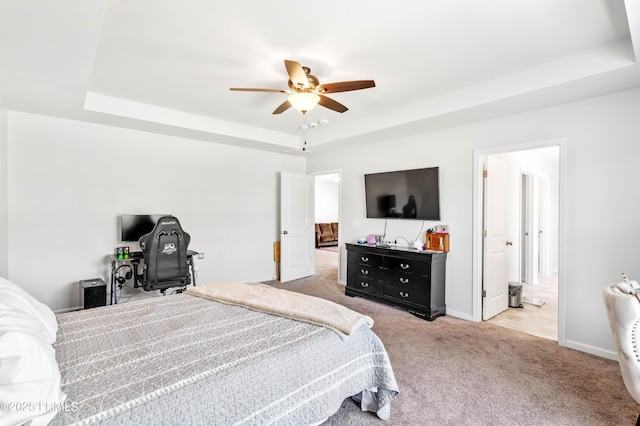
187	360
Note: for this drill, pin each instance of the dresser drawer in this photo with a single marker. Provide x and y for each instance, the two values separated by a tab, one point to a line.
368	285
355	257
411	295
407	281
407	265
365	271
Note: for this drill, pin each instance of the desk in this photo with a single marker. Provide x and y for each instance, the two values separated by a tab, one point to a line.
133	260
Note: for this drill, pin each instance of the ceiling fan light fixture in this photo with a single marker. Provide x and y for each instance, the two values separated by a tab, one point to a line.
306	91
303	101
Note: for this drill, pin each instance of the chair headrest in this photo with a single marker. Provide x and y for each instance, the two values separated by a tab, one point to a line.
166	225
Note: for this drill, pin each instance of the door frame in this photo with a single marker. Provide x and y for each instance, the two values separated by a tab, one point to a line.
479	156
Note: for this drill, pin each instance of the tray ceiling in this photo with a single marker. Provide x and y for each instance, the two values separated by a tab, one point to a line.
167	67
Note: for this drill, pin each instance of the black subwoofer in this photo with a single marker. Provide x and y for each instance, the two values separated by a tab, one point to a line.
93	293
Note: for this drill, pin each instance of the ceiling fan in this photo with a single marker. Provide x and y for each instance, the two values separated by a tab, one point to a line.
305	90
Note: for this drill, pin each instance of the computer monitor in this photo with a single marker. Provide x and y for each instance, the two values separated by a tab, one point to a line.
134	226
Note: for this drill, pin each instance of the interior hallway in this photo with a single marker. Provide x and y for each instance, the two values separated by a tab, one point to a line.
539	321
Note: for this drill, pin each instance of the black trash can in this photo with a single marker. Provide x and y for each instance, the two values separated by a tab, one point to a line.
515	295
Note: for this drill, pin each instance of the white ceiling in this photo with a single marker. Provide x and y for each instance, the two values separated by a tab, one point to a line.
166	66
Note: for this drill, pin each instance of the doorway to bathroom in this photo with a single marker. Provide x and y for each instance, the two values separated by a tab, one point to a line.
529	231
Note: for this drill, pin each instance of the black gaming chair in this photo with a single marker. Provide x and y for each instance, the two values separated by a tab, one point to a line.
164	250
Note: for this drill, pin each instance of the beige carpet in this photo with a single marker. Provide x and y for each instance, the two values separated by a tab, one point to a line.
455	372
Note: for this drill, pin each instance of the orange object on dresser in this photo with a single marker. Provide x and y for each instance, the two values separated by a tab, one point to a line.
437	241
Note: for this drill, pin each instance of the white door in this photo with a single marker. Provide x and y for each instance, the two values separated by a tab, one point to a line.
494	280
297	228
543	241
526	226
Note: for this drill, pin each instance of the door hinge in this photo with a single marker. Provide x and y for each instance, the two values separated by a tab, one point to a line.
484	233
484	293
485	173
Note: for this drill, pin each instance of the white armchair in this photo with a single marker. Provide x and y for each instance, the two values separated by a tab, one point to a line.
623	310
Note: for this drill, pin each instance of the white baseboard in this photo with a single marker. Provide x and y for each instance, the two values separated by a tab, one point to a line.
260	280
604	353
460	315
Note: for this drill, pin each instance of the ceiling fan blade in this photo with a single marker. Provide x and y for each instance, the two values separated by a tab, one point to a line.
331	104
247	89
282	108
346	86
296	74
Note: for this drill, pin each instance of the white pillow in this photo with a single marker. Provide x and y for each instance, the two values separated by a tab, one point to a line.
29	377
13	299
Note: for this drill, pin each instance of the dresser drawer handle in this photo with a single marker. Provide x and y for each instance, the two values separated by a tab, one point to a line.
364	284
404	280
404	265
364	259
364	272
403	294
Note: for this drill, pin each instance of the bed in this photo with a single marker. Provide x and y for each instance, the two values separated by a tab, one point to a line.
185	359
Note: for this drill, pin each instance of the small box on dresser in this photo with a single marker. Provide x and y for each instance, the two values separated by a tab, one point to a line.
408	279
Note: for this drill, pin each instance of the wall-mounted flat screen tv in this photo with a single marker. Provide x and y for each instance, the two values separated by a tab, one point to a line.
134	226
404	194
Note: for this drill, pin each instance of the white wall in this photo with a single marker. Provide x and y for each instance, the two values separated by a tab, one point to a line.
4	201
69	182
327	196
600	203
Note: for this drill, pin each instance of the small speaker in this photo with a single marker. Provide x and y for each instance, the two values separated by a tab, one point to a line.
93	293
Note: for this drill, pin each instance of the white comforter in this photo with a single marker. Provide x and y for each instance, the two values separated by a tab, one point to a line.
187	360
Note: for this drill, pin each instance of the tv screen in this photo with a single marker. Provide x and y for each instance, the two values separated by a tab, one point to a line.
134	226
404	194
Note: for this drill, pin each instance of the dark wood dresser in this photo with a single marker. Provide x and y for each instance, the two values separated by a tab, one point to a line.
408	279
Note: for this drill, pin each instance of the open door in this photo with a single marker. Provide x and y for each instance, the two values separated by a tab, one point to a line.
495	284
297	233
